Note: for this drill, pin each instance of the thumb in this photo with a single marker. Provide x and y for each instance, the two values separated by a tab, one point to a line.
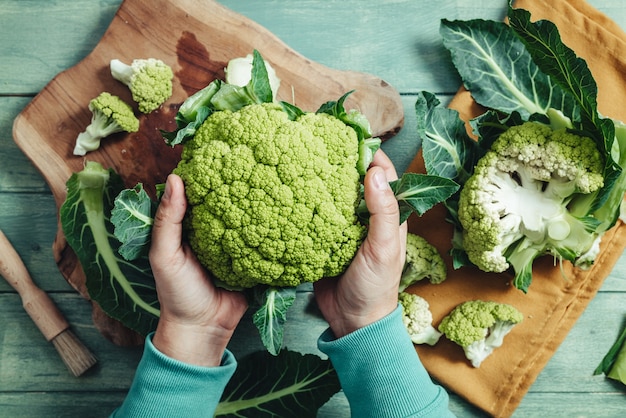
383	208
168	221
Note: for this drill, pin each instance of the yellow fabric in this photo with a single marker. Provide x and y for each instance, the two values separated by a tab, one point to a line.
556	297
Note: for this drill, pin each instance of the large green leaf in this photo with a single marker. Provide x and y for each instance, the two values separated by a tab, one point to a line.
559	62
571	73
288	385
498	70
125	291
447	149
420	192
271	315
132	216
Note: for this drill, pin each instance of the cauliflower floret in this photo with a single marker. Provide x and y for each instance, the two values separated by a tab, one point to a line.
239	73
110	115
479	327
522	200
422	261
272	200
418	319
149	81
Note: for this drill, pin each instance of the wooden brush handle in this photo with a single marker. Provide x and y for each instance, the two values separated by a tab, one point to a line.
36	302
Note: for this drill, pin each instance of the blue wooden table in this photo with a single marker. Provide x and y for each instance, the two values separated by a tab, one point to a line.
396	40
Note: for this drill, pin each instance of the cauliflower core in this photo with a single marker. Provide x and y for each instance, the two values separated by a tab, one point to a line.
272	201
521	200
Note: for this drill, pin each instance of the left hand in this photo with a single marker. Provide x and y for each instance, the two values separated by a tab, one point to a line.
197	319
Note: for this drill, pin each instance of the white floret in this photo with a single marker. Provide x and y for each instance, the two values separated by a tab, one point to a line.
418	319
479	350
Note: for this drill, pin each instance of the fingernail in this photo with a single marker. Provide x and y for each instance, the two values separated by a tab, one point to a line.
380	180
168	190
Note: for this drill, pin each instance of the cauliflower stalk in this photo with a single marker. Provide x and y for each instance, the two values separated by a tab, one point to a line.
149	81
526	198
479	327
418	319
423	260
110	115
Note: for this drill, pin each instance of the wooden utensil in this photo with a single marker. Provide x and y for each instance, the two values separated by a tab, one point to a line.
43	311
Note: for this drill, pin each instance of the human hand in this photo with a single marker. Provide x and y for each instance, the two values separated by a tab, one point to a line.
197	319
368	290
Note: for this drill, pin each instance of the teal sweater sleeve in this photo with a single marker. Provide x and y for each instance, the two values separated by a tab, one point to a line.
381	373
165	387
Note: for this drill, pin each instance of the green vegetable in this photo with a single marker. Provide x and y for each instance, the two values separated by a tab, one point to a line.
272	201
125	291
613	365
288	385
479	327
133	214
275	197
149	81
545	175
219	95
110	115
524	199
239	70
422	261
274	190
271	305
418	319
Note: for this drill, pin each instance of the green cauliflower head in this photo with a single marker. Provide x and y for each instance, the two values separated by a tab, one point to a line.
423	260
109	115
479	327
272	200
524	199
149	81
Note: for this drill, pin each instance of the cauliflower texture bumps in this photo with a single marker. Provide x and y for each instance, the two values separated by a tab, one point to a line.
272	200
526	198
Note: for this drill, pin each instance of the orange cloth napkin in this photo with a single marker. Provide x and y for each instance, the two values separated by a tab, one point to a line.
556	297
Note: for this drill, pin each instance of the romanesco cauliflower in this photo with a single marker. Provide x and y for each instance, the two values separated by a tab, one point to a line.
527	197
418	319
272	200
149	80
423	260
479	327
110	115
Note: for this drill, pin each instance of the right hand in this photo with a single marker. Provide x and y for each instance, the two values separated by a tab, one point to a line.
368	290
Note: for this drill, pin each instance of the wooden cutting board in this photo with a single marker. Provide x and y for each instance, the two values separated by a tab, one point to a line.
197	39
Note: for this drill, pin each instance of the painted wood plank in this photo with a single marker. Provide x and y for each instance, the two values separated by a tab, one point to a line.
403	48
28	363
368	30
17	173
29	222
602	405
571	368
23	351
42	38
